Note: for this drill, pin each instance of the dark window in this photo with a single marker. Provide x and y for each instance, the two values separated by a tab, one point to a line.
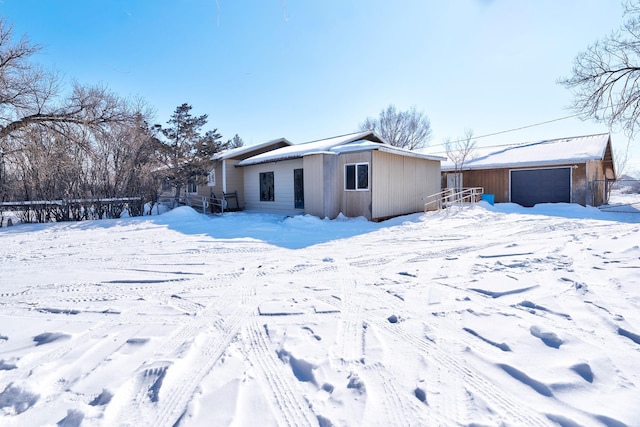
266	187
363	176
192	186
298	188
350	177
356	176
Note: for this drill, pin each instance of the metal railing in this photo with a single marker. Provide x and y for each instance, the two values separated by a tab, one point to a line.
449	197
200	203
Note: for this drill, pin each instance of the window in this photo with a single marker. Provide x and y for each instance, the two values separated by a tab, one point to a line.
356	176
298	188
454	180
192	186
266	187
166	184
211	178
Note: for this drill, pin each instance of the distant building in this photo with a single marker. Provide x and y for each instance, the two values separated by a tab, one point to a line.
570	170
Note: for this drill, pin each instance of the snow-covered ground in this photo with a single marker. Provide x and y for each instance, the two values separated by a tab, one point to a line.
493	315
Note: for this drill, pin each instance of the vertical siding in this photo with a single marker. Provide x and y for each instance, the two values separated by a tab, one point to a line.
601	190
323	185
493	181
216	189
585	180
579	184
595	183
203	189
283	186
400	183
333	185
313	185
355	203
235	180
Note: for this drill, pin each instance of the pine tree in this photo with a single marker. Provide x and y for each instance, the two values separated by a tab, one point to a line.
184	151
235	142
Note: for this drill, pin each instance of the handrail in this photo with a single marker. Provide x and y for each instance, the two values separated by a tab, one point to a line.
452	196
195	201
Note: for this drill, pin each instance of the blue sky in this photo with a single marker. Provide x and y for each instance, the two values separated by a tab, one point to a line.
306	70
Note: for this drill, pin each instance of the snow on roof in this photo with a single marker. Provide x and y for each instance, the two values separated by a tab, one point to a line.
395	150
299	150
233	152
541	153
359	141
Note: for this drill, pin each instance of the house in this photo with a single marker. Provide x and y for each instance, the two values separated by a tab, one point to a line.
225	179
356	175
571	170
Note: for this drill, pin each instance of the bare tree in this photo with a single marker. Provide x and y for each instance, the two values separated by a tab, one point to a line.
620	164
87	143
459	152
605	78
621	159
409	129
31	96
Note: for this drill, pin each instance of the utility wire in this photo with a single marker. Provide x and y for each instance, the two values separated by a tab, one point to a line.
510	130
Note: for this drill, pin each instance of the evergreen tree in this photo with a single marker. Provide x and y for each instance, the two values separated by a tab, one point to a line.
185	152
235	142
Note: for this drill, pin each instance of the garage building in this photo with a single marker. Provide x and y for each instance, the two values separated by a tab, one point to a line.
566	170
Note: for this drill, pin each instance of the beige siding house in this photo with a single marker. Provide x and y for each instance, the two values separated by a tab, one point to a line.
356	175
225	178
278	197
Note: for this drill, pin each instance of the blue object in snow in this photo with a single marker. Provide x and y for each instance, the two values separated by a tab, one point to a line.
488	198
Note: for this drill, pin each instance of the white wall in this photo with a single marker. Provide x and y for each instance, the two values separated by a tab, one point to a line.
283	186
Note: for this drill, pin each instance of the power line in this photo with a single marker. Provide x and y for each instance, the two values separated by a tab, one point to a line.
511	130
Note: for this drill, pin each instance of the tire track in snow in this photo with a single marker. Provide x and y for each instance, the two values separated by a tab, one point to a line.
350	338
350	349
445	391
84	339
290	408
398	404
445	368
516	411
175	396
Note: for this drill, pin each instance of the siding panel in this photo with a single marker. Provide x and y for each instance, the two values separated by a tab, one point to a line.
313	185
355	203
333	185
493	181
283	187
235	181
402	183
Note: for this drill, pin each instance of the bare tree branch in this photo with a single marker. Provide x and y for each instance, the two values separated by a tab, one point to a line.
29	95
409	129
459	152
605	78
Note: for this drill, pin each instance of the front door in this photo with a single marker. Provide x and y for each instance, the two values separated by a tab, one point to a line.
298	188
